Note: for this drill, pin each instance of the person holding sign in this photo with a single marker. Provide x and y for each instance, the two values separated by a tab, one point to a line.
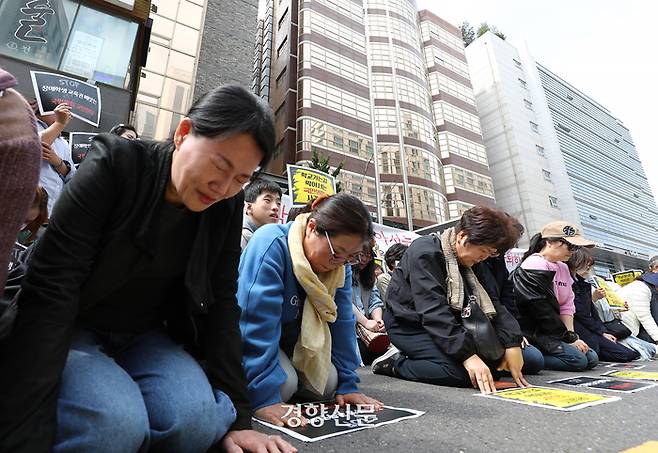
446	328
141	255
642	315
545	298
296	298
586	321
57	166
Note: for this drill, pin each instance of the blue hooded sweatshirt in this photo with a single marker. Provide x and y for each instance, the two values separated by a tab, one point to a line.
271	300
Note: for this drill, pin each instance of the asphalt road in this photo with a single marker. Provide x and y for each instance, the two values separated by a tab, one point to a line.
457	421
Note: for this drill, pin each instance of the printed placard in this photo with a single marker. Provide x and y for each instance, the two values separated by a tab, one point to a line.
625	277
80	142
550	398
327	420
632	374
53	89
306	184
604	383
625	366
615	302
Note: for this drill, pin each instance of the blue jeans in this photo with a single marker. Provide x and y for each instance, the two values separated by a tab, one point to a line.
571	359
129	393
533	360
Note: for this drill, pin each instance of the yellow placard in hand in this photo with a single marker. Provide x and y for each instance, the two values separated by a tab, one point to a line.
613	299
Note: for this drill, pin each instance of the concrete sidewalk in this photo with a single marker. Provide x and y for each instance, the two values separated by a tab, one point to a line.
457	421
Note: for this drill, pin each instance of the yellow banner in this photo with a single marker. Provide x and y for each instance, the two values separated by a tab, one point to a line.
624	278
306	184
554	398
613	299
631	374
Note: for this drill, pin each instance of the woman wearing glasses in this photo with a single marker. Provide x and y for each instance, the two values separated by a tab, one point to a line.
296	298
545	298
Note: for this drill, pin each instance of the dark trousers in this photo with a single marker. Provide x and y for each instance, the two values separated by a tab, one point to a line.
607	350
423	360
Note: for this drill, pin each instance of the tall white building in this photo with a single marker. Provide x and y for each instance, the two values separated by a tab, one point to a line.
554	153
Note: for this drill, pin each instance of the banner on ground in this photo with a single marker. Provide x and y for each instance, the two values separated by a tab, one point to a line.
604	383
306	184
53	89
549	398
624	366
327	420
80	142
632	374
625	277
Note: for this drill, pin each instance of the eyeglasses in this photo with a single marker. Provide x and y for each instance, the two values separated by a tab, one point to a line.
350	259
571	247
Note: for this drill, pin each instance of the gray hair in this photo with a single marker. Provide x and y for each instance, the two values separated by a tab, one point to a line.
653	261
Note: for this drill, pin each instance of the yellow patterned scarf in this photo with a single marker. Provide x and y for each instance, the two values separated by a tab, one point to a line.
312	355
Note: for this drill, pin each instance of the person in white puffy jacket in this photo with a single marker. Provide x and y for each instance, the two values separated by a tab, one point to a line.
638	294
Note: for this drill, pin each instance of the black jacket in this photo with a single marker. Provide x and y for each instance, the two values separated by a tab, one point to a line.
586	316
494	276
417	295
99	232
539	310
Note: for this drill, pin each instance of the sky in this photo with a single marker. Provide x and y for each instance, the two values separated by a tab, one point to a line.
606	49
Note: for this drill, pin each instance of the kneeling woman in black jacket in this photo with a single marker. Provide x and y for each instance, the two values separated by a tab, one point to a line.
146	234
446	329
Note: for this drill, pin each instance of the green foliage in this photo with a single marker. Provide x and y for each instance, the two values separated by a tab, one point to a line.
485	27
468	33
321	162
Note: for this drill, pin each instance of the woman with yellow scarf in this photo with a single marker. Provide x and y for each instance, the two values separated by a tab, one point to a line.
296	298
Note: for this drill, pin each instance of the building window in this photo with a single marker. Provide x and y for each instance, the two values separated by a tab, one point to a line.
517	63
282	76
338	141
570	97
564	128
534	127
553	202
69	37
282	20
540	150
547	175
282	46
523	84
527	104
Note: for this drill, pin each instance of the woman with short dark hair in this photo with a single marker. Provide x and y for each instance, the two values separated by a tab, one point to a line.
433	300
125	130
141	255
296	297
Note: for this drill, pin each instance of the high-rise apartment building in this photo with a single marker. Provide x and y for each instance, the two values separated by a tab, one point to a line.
555	153
459	137
349	79
195	46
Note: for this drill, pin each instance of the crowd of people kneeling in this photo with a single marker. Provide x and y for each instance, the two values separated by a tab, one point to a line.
154	315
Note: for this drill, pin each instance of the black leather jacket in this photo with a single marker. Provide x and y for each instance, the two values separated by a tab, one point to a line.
539	310
99	231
